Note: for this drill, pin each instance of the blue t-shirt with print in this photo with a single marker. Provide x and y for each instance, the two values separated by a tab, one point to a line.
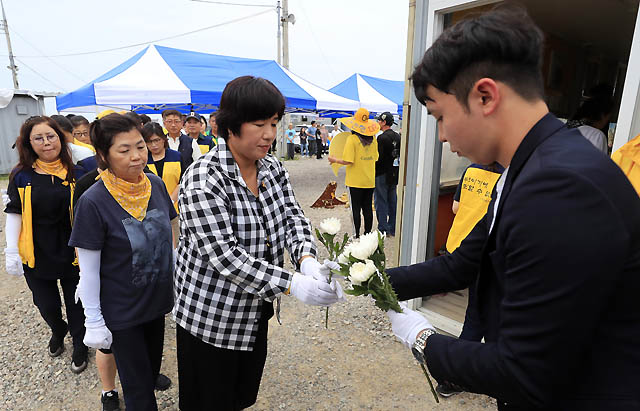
311	130
291	134
136	262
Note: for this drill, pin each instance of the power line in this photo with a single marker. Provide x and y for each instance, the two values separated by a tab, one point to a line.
38	74
315	39
144	43
235	4
47	57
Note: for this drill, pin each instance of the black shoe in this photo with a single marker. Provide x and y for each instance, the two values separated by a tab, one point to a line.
79	359
162	382
56	345
446	390
110	401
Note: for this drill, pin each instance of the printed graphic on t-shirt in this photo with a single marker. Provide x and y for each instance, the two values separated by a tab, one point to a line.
151	248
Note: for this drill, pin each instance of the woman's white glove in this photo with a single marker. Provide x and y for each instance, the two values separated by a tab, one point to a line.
311	267
315	292
329	266
5	197
97	335
12	261
407	325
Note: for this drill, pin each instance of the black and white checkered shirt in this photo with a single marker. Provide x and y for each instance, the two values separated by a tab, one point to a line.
231	248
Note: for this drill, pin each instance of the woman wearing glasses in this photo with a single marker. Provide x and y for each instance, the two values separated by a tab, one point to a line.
38	227
163	161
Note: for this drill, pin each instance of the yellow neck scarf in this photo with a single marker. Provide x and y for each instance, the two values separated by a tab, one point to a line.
55	168
133	197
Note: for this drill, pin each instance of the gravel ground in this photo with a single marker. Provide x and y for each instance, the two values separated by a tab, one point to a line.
355	364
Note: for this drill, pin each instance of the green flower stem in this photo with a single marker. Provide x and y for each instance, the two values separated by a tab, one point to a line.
433	391
326	314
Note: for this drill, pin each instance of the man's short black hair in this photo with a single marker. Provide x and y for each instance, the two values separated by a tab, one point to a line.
313	123
171	112
246	99
503	44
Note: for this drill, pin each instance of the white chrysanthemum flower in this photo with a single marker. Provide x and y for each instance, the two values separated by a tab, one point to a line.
365	246
361	272
346	251
330	225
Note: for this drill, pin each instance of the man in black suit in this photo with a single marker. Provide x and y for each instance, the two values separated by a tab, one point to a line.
556	258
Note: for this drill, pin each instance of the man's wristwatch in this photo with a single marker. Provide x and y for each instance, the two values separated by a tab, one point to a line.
420	344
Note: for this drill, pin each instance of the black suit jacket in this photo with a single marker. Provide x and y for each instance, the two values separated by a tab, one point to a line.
558	283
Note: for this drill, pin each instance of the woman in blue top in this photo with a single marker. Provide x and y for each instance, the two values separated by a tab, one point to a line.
122	233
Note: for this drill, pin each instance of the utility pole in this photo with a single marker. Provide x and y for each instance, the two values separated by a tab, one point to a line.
279	9
285	32
12	65
284	19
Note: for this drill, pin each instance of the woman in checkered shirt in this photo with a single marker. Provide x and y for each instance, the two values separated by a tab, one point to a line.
238	215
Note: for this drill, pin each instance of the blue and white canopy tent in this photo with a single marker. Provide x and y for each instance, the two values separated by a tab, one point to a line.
158	78
375	94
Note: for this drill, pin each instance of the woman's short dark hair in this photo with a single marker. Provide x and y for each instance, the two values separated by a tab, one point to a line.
77	121
145	119
103	131
246	99
63	123
134	116
27	155
503	44
153	128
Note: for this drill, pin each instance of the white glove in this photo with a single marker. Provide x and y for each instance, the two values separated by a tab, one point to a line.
328	266
97	335
315	292
311	267
407	325
12	261
175	257
5	198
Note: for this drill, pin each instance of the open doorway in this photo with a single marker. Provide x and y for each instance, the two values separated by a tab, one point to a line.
587	43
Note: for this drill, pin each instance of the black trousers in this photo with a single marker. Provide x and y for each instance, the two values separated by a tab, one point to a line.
319	148
46	297
213	378
312	147
138	354
290	150
361	199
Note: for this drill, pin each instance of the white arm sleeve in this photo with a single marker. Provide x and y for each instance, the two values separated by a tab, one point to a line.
12	229
89	285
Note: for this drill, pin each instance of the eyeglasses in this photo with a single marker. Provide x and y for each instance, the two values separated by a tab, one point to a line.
155	141
81	133
39	140
172	121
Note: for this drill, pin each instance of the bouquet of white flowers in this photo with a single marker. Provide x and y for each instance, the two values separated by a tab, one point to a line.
362	263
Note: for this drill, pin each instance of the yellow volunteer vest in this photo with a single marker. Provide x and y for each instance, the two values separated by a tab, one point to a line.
628	159
475	196
362	172
170	175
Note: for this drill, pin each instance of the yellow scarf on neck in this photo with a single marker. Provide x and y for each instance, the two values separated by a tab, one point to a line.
55	168
132	197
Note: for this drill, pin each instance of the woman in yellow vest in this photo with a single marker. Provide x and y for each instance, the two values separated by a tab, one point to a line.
360	156
81	132
163	162
38	227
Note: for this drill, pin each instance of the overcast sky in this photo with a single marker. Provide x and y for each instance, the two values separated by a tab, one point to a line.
331	39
